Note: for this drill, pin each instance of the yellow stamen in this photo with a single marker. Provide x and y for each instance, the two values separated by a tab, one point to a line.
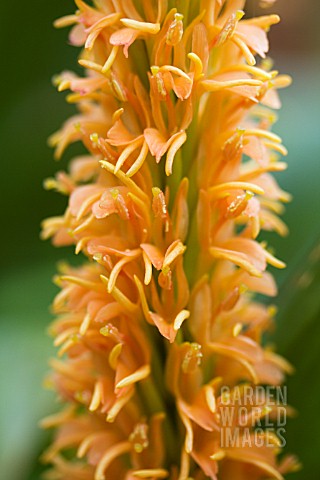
144	303
237	329
220	191
65	21
257	72
120	297
210	398
113	55
215	85
222	254
189	432
138	375
85	324
87	203
125	180
198	67
117	269
151	473
244	49
275	262
180	318
143	27
179	249
114	355
219	455
127	152
184	466
258	132
90	65
135	167
148	268
118	405
96	397
81	282
175	146
111	454
58	418
265	21
277	147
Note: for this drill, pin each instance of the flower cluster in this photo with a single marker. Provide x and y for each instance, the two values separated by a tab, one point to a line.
166	206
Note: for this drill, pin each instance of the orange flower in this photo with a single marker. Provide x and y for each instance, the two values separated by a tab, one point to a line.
161	316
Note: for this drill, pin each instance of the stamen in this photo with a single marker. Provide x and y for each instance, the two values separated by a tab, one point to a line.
138	375
151	473
114	355
64	85
58	418
277	147
67	345
257	72
184	466
86	443
143	27
135	167
80	245
221	191
144	303
81	282
118	405
65	21
219	455
188	444
176	70
245	50
265	21
148	268
127	152
117	88
87	203
237	259
113	55
237	329
173	253
117	114
180	318
90	65
198	67
117	269
85	324
210	398
96	397
175	146
63	336
125	180
275	262
95	29
120	297
214	85
282	81
111	454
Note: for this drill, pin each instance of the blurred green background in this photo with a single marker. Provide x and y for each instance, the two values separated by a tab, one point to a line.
32	52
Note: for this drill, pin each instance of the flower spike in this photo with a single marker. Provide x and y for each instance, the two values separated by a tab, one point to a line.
159	329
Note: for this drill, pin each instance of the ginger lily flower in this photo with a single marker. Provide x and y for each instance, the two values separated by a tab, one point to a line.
167	207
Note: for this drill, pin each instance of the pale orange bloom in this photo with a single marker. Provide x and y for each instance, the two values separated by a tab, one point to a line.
167	207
